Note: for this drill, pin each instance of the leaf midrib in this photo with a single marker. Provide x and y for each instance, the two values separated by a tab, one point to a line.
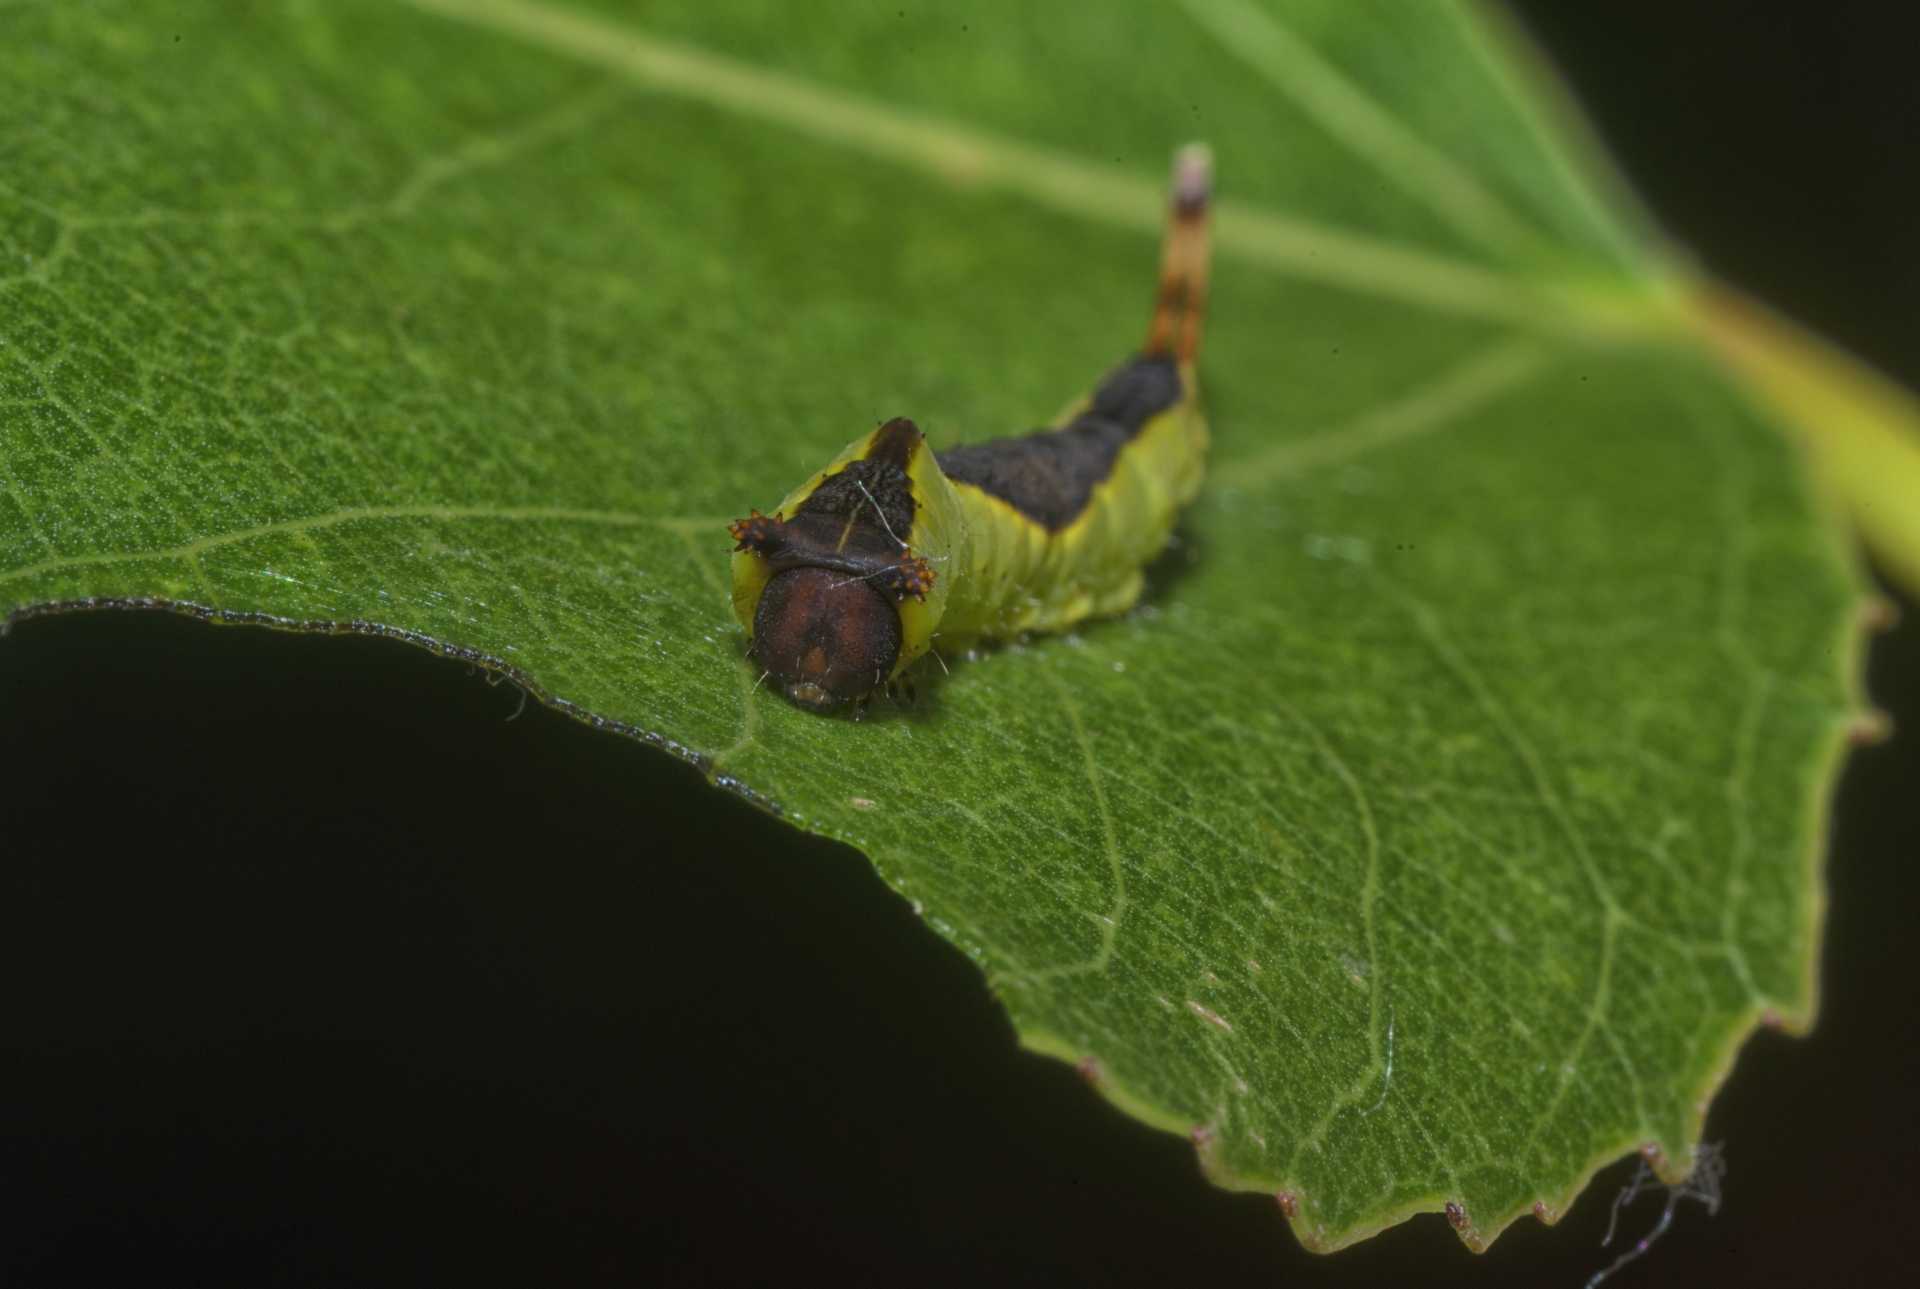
1069	184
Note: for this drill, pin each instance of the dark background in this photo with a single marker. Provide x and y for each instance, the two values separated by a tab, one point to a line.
321	970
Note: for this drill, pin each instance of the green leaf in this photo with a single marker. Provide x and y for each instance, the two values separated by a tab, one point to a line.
1431	836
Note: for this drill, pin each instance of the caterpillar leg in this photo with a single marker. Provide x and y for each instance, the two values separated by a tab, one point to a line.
1181	305
903	691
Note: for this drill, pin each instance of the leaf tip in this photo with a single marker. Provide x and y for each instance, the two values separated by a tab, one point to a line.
1879	614
1869	728
1457	1219
1797	1024
1655	1156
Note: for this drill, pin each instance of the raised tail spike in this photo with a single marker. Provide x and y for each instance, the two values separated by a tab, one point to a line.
1181	305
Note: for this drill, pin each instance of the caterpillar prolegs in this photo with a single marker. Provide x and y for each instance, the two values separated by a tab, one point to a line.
847	582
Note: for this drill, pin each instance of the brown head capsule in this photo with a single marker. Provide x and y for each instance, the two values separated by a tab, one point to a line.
828	638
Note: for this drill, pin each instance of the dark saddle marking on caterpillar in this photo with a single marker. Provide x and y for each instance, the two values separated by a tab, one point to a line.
1050	476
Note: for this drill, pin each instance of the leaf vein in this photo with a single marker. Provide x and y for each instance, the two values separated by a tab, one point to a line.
1063	182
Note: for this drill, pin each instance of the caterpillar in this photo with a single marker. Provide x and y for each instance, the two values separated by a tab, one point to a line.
848	581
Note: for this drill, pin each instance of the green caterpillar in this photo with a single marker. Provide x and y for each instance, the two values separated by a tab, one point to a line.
849	580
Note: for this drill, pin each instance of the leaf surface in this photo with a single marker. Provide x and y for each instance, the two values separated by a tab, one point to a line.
1432	834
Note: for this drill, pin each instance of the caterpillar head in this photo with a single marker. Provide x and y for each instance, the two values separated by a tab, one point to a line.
828	638
840	588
